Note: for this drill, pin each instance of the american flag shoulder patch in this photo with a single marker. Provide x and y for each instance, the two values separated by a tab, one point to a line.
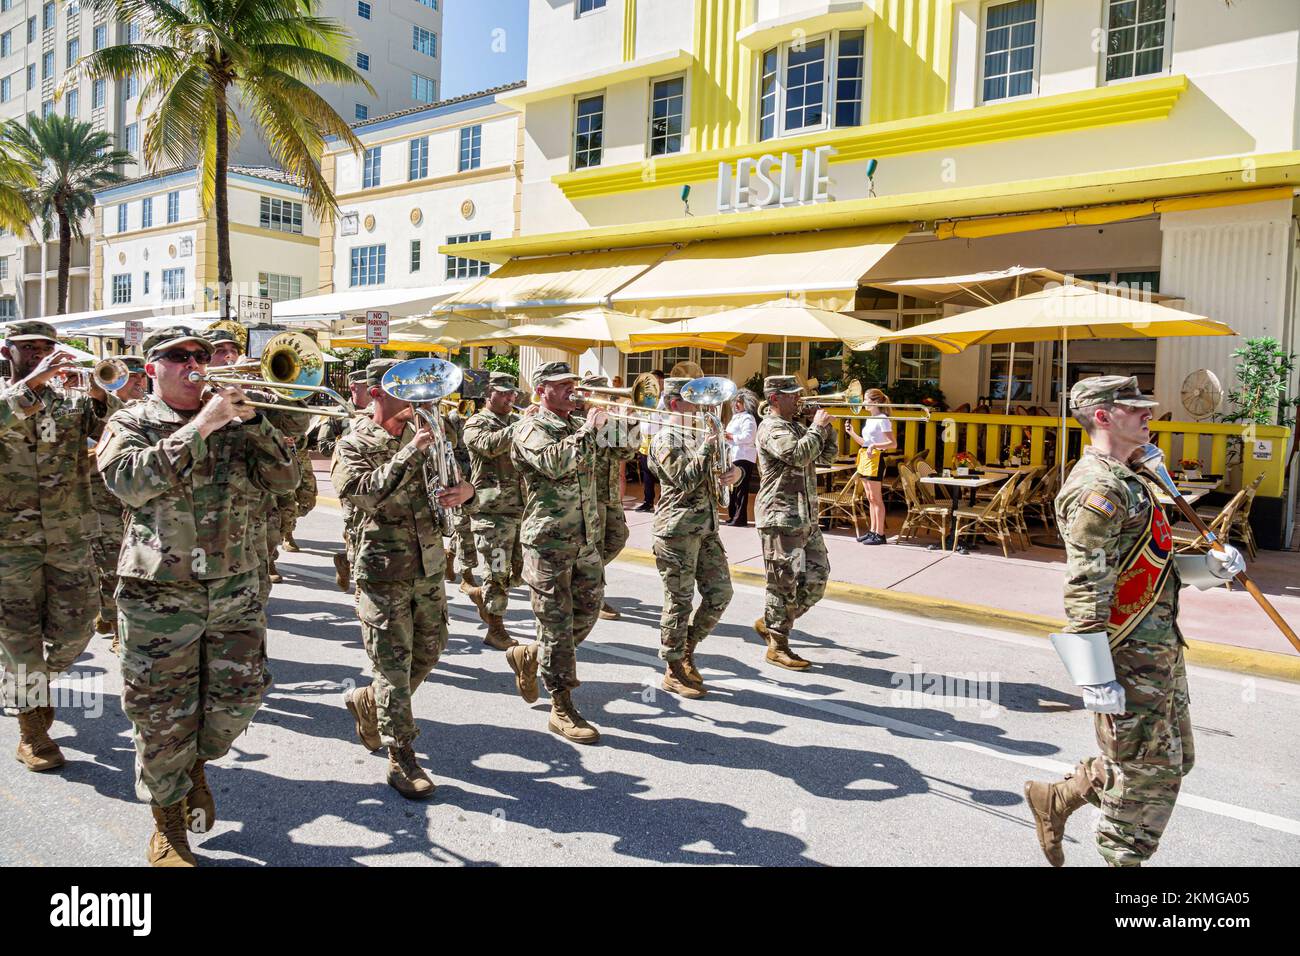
1100	504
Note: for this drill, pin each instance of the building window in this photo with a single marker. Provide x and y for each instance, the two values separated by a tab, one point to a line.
460	268
74	51
132	138
4	267
1137	32
666	99
431	4
415	255
173	207
133	32
6	43
173	285
368	266
47	108
8	308
471	147
121	218
363	111
363	9
588	131
47	17
278	214
71	104
783	363
47	65
31	76
279	288
101	36
131	87
121	289
423	41
6	5
74	8
370	168
363	61
423	89
146	213
587	6
418	167
5	91
715	363
98	92
144	285
1010	39
801	89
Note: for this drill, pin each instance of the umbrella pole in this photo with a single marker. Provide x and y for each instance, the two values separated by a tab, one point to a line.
784	347
1011	356
1061	440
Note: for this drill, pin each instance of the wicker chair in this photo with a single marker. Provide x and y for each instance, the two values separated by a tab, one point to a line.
1021	499
921	514
1240	529
993	519
848	502
1190	539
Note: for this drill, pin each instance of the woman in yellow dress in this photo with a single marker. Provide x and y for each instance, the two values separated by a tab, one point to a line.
877	438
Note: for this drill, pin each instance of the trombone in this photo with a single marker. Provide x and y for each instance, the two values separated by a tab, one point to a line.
852	397
291	366
644	394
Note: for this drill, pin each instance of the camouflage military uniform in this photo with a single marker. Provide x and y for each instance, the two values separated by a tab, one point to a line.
785	513
498	504
619	445
463	537
193	627
106	543
687	548
302	499
398	565
562	536
48	588
1146	751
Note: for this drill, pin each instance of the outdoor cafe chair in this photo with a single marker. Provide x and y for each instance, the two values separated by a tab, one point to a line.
922	515
1019	501
1240	529
848	502
993	520
1190	539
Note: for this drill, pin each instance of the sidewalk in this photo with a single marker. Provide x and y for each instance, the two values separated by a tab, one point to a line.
1022	591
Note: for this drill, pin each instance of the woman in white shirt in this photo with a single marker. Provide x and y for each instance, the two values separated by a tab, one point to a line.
877	438
741	433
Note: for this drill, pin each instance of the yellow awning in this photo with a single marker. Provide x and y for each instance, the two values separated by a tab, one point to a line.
819	269
553	284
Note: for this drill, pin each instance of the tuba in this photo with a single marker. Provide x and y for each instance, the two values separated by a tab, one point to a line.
425	383
713	392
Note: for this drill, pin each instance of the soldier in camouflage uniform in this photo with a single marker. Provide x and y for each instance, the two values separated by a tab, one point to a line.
785	513
555	452
462	539
382	466
108	541
326	438
189	464
47	580
498	503
1108	513
624	440
687	548
293	506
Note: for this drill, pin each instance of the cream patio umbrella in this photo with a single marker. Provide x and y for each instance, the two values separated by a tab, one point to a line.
1061	313
578	331
445	334
736	329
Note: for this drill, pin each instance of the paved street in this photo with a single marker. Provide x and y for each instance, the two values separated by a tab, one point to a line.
838	765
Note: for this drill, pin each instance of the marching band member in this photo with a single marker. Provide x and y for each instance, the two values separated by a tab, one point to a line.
326	436
462	538
687	548
618	446
794	554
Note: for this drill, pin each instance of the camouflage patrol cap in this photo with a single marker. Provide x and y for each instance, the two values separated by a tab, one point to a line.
786	384
217	336
673	388
133	363
30	331
1109	390
376	369
357	377
177	334
502	381
553	372
591	380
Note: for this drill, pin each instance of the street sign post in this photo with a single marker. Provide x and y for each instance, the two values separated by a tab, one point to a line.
134	333
254	310
377	329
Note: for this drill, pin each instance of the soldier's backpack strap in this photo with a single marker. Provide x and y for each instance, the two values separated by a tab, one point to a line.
1142	572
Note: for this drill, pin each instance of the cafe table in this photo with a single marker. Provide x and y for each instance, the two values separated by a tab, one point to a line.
955	486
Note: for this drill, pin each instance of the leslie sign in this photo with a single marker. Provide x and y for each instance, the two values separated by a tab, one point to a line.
802	180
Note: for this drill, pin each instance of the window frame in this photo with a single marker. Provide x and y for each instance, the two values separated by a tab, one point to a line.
471	268
1038	53
685	114
369	10
416	30
579	13
379	252
578	99
363	61
417	170
832	40
475	155
165	287
123	222
289	213
433	88
98	93
416	260
114	288
284	286
377	152
1167	52
146	212
132	132
173	208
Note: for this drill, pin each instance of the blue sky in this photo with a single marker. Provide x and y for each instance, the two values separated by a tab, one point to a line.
484	43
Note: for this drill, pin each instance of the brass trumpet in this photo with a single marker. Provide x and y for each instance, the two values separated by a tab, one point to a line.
109	374
291	365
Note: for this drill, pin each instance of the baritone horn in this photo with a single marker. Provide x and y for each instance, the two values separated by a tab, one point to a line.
292	366
711	392
426	383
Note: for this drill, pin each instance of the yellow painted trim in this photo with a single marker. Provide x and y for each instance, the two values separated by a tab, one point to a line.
646	66
1100	215
248	230
997	122
1244	660
719	86
325	265
629	30
1197	177
156	230
483	175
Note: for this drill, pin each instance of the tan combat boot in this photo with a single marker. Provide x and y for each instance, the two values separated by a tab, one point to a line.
475	594
522	659
290	544
451	570
342	573
274	576
497	636
568	723
361	705
116	646
169	845
406	776
47	716
760	628
688	664
200	807
779	653
678	681
608	612
36	750
1052	804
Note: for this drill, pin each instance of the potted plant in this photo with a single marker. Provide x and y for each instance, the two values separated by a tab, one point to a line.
1191	468
965	462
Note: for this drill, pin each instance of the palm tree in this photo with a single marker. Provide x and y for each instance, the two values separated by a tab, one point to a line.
70	160
16	177
200	57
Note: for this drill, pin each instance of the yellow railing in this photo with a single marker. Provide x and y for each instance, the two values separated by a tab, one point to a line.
1264	447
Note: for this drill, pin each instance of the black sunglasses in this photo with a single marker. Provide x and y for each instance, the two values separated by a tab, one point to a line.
181	356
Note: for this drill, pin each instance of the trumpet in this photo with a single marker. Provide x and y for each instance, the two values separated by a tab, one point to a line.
110	375
291	366
424	382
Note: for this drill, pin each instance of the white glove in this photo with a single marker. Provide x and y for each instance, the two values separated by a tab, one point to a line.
1226	565
1104	698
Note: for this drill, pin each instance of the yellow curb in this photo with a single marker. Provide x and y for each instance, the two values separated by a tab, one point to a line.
1242	660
